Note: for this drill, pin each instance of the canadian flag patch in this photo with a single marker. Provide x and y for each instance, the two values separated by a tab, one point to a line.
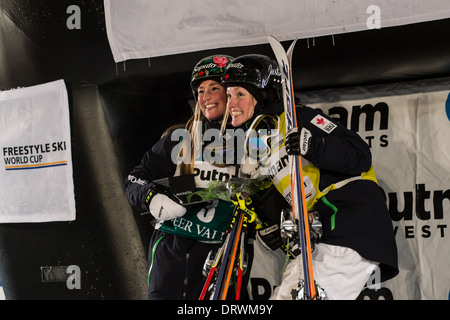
323	123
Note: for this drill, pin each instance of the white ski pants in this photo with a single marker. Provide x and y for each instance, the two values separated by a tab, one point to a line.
341	272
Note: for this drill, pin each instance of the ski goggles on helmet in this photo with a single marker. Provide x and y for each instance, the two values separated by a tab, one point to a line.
263	130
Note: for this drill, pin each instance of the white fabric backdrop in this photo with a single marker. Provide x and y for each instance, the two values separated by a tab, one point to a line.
142	29
36	183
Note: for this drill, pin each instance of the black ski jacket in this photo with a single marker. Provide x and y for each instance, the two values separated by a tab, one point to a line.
354	215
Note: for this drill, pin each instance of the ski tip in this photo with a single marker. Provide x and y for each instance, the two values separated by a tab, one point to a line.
272	39
291	50
274	43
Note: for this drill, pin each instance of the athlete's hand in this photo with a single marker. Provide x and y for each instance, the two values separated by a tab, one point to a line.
162	207
298	143
270	237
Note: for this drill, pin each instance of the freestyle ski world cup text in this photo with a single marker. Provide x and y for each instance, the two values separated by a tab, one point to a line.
31	156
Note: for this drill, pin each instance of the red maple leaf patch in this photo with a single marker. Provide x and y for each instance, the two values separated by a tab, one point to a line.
320	121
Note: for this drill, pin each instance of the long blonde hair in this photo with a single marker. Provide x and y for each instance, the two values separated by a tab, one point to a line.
195	132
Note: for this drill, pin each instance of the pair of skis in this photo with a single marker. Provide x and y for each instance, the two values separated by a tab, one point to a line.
231	255
299	210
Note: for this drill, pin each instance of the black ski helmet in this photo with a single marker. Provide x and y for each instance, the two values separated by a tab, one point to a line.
258	74
209	68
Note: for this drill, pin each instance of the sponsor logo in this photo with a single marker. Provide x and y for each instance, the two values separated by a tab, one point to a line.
237	65
271	72
205	66
425	205
362	119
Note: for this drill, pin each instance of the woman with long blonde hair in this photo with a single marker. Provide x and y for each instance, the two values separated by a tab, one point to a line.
184	235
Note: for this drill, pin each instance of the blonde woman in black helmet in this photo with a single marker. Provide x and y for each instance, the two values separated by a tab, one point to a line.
183	237
340	184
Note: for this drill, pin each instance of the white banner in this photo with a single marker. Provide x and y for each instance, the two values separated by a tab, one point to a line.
36	183
407	127
141	29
